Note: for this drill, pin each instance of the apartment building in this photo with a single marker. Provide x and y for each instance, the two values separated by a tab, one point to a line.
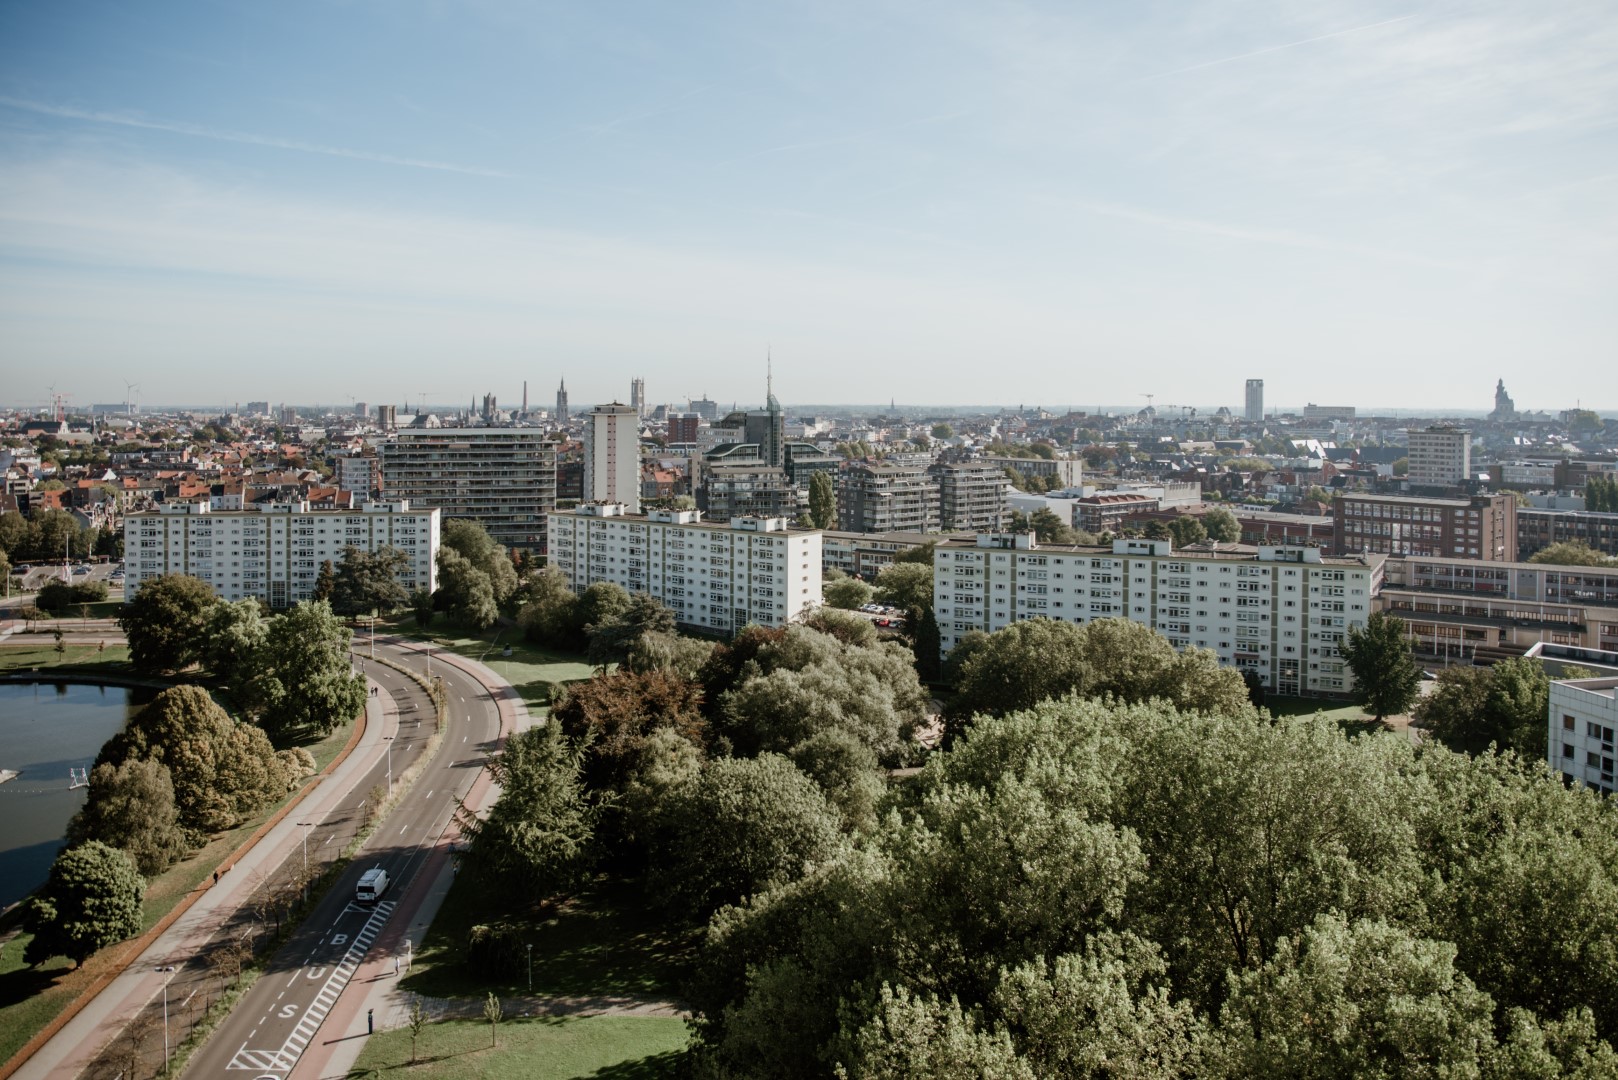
612	455
502	478
1279	612
865	555
1440	456
1254	411
1107	512
1583	720
1478	527
1463	610
359	473
718	577
878	497
747	488
1538	529
272	552
971	495
1069	472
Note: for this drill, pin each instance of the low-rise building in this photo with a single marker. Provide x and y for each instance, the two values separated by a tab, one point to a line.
272	552
716	576
1279	612
865	555
1478	527
1107	512
1538	529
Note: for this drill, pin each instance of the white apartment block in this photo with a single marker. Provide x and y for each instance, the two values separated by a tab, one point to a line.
612	456
1584	716
273	552
716	577
1439	456
1279	612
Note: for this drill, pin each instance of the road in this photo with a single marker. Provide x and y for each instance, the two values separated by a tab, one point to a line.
278	1018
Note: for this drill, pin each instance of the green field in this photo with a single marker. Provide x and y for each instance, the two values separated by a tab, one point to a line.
530	668
604	942
86	659
600	1047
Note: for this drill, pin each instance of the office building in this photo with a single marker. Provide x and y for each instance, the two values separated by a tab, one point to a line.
719	577
707	408
1539	529
1583	720
1467	610
1255	401
971	496
273	552
1279	612
1327	413
612	456
502	478
1440	456
1069	472
878	497
865	555
1477	527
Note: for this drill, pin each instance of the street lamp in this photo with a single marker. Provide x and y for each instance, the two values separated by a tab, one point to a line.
530	967
170	969
307	827
389	740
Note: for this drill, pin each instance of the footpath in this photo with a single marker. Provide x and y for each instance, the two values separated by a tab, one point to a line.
372	999
75	1045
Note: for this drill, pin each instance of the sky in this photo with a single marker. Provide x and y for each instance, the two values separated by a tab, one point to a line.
933	201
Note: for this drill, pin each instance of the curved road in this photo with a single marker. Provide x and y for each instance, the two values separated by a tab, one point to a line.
277	1019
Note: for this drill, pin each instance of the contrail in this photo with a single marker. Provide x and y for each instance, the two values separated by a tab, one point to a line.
197	131
1274	48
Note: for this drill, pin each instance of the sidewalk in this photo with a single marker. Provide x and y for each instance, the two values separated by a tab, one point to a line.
373	997
78	1042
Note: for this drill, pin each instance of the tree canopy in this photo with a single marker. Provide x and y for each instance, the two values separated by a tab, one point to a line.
303	681
91	900
368	581
167	623
1505	705
1570	553
131	807
1386	678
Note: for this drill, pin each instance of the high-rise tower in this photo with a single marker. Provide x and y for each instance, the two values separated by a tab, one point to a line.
561	402
637	396
1255	400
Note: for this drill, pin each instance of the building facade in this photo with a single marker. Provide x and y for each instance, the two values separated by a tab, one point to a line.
273	552
746	489
971	496
715	577
1583	720
637	396
502	478
612	456
1255	401
360	473
1478	527
877	497
1440	456
1279	612
1539	529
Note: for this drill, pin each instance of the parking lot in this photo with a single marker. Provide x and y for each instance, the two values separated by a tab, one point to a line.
37	574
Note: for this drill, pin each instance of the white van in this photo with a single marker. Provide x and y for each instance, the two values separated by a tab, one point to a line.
373	883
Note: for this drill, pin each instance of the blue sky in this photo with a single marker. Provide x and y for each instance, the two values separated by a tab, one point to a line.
942	202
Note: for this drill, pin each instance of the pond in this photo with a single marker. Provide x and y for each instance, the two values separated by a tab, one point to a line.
46	729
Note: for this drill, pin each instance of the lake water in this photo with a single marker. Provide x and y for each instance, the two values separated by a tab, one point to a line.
45	729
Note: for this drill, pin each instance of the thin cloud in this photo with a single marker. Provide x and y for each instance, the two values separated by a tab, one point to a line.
838	140
197	131
1273	49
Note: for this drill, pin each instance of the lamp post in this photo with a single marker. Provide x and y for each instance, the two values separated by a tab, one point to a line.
170	969
307	827
530	967
389	740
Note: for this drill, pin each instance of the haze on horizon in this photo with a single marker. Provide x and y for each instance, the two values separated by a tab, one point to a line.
939	203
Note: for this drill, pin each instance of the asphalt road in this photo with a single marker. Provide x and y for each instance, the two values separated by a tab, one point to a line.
279	1017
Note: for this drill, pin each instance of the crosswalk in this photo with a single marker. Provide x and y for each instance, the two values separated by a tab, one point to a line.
282	1059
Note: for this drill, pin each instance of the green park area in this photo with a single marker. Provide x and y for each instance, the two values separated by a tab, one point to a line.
528	667
538	1048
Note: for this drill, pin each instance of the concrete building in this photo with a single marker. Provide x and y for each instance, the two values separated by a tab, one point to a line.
879	498
502	478
1068	471
612	456
1583	720
1279	612
971	496
746	488
1465	610
1538	529
359	473
1319	413
273	552
865	555
1440	456
1106	512
1478	527
683	428
1255	401
716	577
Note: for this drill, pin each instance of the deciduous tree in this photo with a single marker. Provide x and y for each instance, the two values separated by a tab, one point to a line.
303	680
91	900
1386	678
167	623
131	807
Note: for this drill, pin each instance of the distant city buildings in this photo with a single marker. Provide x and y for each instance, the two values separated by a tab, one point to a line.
1440	456
1505	410
718	577
502	478
273	552
612	456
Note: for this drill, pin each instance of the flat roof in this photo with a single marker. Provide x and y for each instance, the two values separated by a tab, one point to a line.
1231	552
1417	499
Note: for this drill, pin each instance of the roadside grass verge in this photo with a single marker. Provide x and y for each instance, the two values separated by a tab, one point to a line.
540	1048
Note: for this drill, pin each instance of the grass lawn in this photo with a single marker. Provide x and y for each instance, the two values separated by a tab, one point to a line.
530	668
1352	719
604	942
601	1047
113	660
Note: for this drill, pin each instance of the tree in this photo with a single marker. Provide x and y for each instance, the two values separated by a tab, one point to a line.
822	500
1187	530
234	634
847	593
466	592
943	431
1570	553
325	582
131	807
421	605
417	1019
368	581
538	838
303	681
1221	525
167	623
492	1013
91	900
549	611
612	715
616	633
1048	528
1470	708
740	826
673	653
472	541
846	627
907	586
1386	678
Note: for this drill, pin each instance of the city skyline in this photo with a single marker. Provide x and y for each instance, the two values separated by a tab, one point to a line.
932	205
